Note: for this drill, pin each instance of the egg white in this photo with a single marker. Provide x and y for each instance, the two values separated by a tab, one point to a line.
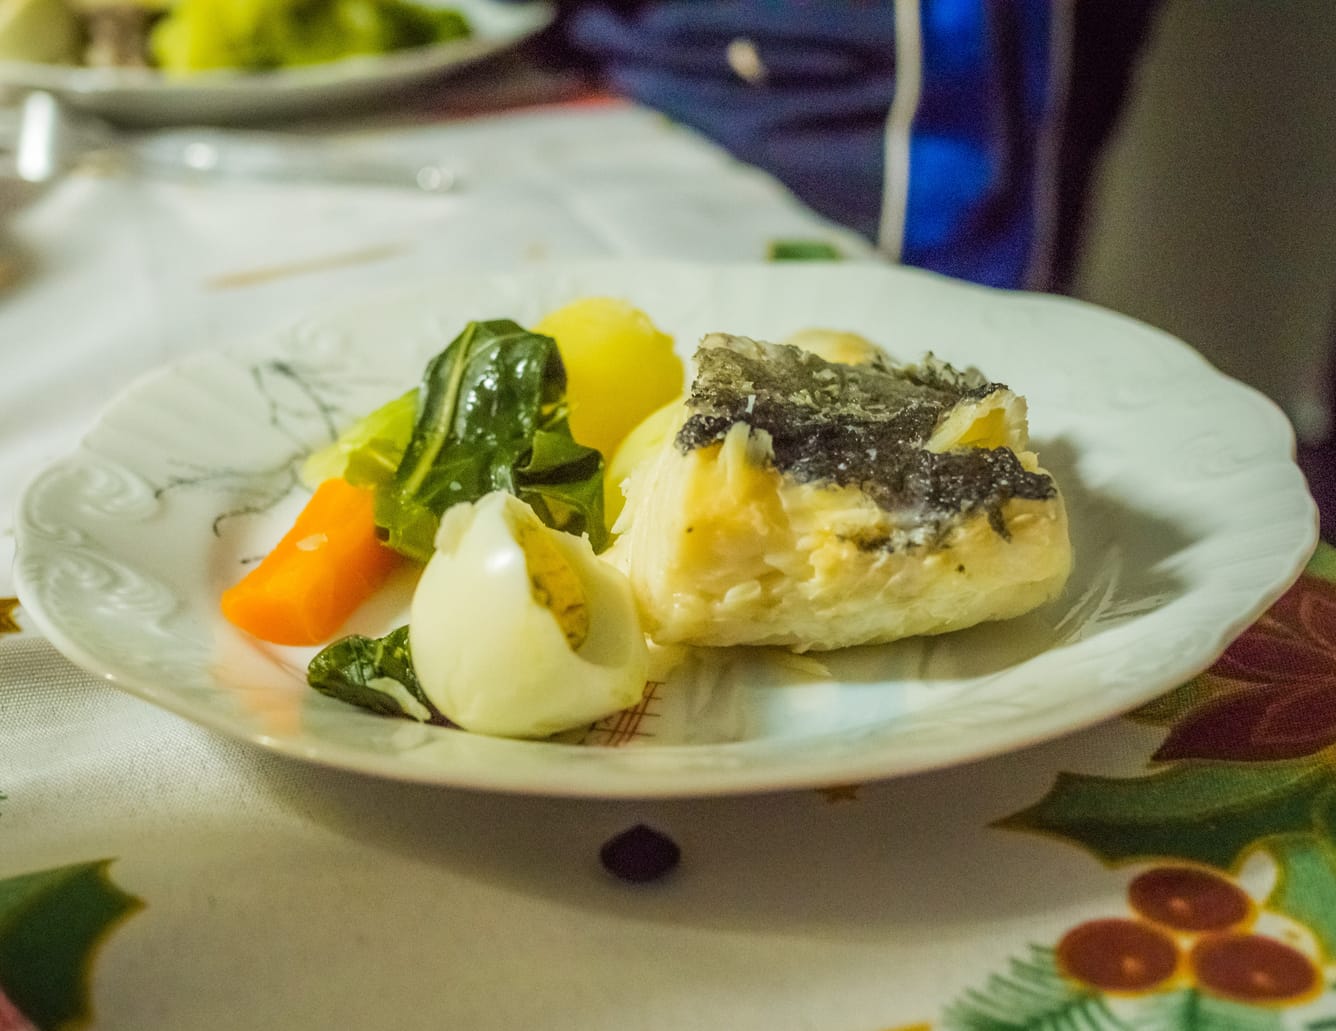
492	658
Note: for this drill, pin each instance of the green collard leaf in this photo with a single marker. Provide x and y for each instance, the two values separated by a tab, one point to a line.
374	674
1207	812
491	415
50	923
368	451
1030	996
562	481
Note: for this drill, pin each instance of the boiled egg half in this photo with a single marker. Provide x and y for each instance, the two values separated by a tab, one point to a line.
520	630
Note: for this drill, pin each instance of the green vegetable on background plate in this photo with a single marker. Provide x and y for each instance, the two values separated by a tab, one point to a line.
198	35
38	30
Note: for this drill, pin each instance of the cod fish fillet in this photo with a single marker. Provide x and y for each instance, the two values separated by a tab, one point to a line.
817	504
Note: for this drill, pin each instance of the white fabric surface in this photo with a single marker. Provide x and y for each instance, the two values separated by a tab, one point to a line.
284	895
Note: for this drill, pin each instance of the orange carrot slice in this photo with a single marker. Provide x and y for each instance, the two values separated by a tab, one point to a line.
322	569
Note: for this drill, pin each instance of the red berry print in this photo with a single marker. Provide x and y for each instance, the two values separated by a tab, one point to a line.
1190	899
1252	968
1118	955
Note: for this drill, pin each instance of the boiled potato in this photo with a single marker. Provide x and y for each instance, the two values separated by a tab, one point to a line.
642	442
619	367
835	345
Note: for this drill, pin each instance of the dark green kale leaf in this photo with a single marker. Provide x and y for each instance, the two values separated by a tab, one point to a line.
361	671
491	415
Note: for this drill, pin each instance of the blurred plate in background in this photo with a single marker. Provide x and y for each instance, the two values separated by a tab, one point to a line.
145	97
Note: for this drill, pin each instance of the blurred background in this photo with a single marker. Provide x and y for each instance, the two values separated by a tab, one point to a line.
1213	211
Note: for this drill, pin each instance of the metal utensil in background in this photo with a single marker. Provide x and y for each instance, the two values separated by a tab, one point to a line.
16	194
50	140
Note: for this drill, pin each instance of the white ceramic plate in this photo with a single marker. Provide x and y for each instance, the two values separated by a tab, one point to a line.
1188	514
144	97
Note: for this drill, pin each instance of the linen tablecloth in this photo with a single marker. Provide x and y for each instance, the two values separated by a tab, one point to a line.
1172	869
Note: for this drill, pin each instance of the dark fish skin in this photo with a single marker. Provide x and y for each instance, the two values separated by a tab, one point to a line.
856	425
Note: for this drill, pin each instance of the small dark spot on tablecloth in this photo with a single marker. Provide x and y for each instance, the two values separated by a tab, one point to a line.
640	854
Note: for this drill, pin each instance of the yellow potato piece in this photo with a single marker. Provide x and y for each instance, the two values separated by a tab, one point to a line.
641	443
835	345
619	367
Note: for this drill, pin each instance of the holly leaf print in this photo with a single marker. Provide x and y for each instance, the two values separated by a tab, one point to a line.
50	923
1208	812
1306	863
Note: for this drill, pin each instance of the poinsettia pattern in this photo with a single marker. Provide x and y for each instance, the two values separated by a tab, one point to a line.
1272	695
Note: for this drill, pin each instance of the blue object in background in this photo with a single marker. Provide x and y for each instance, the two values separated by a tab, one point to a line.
807	91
